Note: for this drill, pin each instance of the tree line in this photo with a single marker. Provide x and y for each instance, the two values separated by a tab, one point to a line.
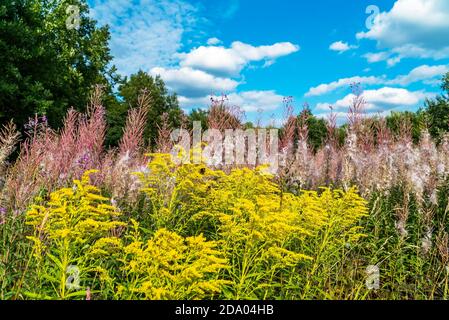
47	68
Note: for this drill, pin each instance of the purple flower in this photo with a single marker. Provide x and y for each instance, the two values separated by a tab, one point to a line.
31	124
84	161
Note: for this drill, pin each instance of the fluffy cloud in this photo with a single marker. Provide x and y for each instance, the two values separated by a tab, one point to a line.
254	101
148	35
424	73
210	70
248	101
345	82
194	83
412	28
388	98
145	33
341	46
213	41
377	56
380	100
223	61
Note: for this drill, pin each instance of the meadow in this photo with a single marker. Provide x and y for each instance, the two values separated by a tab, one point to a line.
360	218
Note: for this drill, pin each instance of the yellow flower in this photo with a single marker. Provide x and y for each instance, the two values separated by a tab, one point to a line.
169	266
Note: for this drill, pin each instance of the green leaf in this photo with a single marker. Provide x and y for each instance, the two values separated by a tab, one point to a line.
56	261
37	296
50	278
80	293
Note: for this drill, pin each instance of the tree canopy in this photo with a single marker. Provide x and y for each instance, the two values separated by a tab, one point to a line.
161	102
47	67
437	111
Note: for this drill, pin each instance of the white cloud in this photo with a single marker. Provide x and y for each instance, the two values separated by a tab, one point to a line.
393	61
248	101
230	61
194	83
424	73
254	101
144	33
341	46
411	29
345	82
213	41
148	35
197	103
379	100
376	57
421	73
387	97
215	70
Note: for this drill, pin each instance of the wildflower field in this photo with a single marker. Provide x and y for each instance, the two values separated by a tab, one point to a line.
362	220
171	181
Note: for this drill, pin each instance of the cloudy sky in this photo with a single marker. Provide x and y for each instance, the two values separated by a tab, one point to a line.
257	52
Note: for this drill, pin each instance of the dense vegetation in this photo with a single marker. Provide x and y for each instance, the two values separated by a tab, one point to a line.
93	207
47	69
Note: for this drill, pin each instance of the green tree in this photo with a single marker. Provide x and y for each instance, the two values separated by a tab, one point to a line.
317	129
445	84
249	125
116	113
199	115
416	121
45	66
437	111
160	102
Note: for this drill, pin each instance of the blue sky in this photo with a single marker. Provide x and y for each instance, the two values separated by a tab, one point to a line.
258	52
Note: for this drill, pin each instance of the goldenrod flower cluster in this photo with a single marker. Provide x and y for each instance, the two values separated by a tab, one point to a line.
200	233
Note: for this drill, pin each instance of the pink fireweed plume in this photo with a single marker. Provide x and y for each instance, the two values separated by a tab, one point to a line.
132	139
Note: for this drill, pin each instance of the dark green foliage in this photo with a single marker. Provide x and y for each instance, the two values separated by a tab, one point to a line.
160	102
47	68
248	125
317	129
116	114
198	115
415	121
317	132
341	134
406	270
436	111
